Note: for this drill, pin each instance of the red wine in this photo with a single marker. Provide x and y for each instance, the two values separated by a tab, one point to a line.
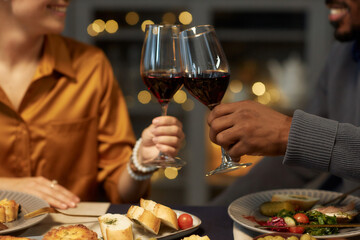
163	84
208	87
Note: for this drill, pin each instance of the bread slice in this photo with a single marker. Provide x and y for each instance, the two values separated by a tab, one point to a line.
300	202
166	214
71	232
145	218
116	227
196	237
8	210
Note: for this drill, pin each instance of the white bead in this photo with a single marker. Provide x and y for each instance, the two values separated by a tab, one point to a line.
135	160
137	177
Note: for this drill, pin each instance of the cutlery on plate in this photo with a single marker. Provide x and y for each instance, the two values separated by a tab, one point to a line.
45	210
313	225
341	197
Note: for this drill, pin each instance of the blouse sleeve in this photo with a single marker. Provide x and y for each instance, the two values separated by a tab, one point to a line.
115	134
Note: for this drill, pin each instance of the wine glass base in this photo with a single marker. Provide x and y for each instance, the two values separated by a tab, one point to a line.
164	161
228	167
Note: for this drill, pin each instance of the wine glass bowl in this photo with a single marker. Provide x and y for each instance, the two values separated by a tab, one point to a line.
161	71
206	75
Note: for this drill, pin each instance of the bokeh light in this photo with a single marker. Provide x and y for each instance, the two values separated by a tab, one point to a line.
264	99
146	22
99	25
169	18
185	18
235	86
91	31
180	97
111	26
188	105
144	97
132	18
258	88
171	172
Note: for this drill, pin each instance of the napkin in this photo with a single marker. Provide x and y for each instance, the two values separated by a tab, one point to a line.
241	233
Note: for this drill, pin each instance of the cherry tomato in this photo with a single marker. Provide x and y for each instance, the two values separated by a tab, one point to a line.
301	218
295	229
185	221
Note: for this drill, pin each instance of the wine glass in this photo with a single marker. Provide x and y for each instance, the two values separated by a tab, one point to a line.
206	75
161	71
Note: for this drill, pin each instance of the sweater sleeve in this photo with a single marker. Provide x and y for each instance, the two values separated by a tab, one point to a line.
324	145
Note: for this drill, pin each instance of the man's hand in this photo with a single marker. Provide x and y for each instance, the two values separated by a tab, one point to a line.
248	127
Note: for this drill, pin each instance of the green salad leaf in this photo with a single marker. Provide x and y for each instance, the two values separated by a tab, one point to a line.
317	217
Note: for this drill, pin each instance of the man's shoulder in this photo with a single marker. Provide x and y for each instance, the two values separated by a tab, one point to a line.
342	46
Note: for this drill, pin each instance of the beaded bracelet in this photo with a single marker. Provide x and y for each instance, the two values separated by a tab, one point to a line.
135	160
135	176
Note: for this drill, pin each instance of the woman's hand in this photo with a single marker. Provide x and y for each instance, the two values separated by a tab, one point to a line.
53	193
165	134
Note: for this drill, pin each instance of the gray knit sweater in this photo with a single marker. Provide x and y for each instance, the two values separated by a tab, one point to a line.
327	136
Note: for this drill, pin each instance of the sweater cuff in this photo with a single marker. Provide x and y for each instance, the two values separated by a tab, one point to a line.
311	141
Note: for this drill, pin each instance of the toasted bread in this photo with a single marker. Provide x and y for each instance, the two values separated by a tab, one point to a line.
196	237
145	218
8	210
115	227
75	232
300	202
166	214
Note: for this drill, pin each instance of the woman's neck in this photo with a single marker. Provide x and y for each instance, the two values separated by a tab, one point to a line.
16	49
17	45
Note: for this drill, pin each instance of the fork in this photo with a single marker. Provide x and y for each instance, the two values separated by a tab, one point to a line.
341	197
45	210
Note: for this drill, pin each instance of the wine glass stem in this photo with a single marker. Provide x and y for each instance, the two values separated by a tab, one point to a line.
226	157
164	108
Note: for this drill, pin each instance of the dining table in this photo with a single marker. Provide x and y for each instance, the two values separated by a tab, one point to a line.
215	221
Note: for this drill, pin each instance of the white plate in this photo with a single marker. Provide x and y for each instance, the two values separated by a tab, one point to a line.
249	206
166	233
28	204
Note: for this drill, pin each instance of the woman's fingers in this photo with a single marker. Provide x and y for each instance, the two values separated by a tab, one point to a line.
50	191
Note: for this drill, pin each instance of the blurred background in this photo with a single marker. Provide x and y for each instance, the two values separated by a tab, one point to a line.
276	50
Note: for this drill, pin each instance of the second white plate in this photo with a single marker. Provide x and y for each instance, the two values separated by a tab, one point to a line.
249	205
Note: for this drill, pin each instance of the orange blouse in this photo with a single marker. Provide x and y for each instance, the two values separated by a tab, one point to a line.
72	124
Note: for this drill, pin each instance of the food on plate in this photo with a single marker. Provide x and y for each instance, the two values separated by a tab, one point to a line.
196	237
289	221
8	210
305	236
115	227
77	232
13	238
272	208
343	214
301	202
166	214
185	221
145	218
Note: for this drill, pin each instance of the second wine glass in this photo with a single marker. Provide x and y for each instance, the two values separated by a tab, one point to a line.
206	75
161	71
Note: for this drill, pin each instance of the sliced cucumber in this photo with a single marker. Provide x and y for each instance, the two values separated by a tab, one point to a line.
290	222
